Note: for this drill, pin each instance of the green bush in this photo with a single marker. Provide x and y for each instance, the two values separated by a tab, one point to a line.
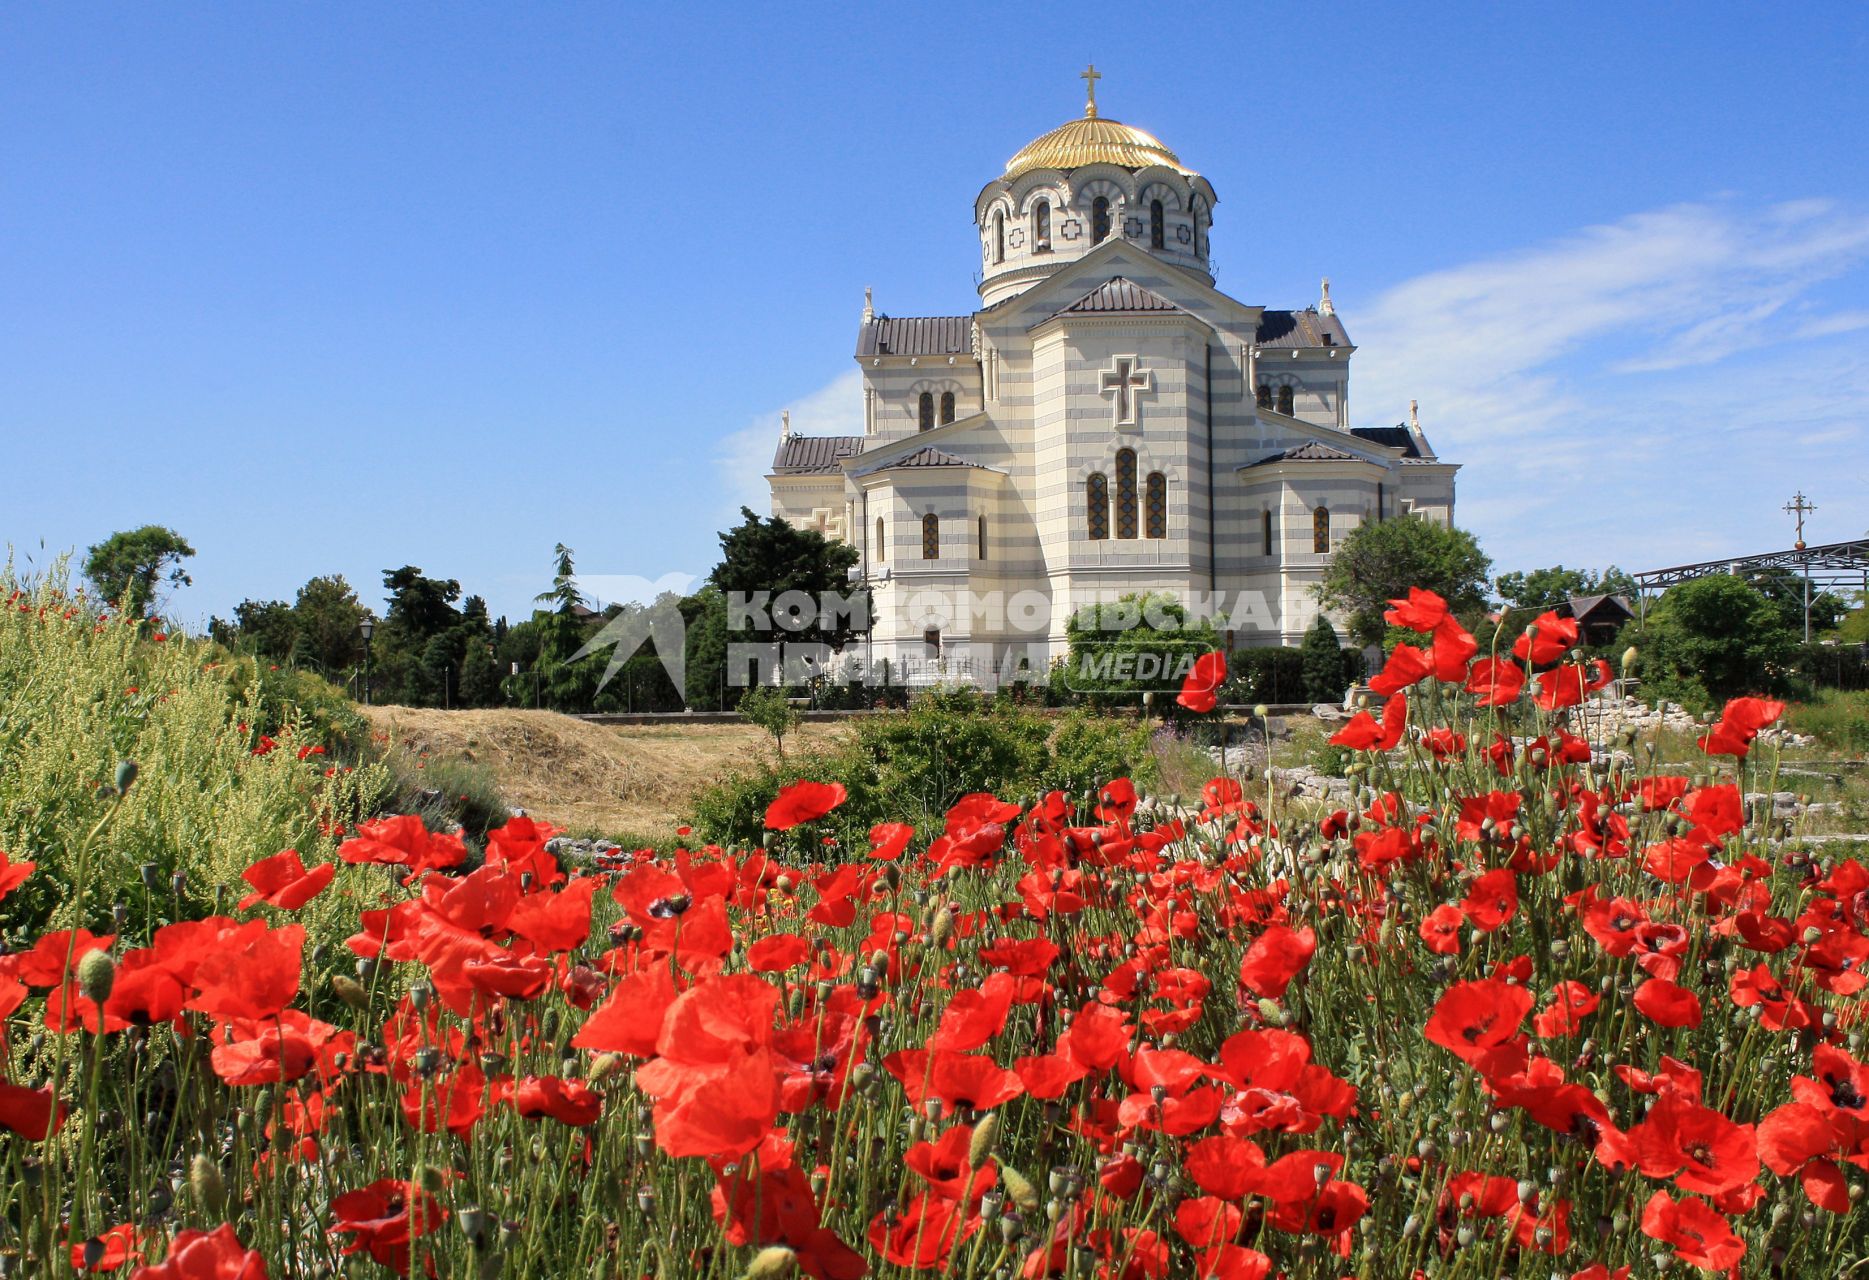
212	794
1267	675
912	766
1326	663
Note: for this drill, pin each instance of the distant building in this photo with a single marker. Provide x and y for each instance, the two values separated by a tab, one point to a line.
1106	422
1599	618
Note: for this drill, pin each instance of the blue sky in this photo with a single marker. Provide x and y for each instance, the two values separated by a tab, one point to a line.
339	288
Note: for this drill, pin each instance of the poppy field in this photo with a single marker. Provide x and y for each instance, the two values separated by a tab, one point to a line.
1532	1006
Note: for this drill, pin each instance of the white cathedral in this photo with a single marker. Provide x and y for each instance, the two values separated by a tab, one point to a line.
1106	423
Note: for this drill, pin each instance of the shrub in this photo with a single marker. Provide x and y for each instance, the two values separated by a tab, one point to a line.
1273	674
220	780
1326	663
1714	638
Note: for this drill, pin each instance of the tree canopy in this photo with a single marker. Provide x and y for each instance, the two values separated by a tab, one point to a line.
1542	589
1380	560
129	566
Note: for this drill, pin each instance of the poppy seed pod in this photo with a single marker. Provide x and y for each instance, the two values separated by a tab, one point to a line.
350	991
97	973
126	775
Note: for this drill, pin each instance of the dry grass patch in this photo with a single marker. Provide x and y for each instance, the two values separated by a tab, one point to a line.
591	779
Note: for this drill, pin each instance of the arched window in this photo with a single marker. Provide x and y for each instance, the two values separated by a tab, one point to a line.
947	407
1284	400
1265	395
999	236
1097	506
1125	493
1099	220
1041	227
1265	532
983	537
882	542
1155	506
1320	531
1158	231
931	536
924	410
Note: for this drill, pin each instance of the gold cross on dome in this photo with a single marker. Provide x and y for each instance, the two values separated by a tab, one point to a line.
1090	75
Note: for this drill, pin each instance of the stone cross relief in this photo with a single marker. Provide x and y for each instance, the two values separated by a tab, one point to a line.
1123	382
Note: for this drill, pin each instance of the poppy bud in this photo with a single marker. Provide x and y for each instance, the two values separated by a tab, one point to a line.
350	991
985	1135
97	972
126	775
605	1065
774	1262
1628	659
941	929
205	1184
1019	1188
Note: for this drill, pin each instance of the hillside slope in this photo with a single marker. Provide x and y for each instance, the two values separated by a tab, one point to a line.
607	780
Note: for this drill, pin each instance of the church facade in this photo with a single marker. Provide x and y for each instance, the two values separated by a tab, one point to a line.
1106	423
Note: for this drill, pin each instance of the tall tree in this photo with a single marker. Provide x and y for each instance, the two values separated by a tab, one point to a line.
329	616
130	566
763	560
1380	560
1715	637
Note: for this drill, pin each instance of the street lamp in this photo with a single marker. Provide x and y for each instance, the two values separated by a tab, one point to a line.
367	627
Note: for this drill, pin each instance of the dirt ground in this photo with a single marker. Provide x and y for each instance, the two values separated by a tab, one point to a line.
586	778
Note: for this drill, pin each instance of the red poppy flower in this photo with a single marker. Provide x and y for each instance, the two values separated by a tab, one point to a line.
1454	647
1699	1236
944	1166
1698	1147
1365	733
1200	691
31	1113
1419	611
106	1252
1547	639
1403	668
13	874
385	1219
282	881
253	972
205	1255
1497	681
569	1102
803	801
889	839
404	841
1740	722
1571	1003
1472	1018
1276	957
1667	1005
1491	900
924	1235
1440	929
1568	685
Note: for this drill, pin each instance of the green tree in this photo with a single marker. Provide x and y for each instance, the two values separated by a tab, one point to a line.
264	628
763	560
1547	588
129	567
1380	560
1785	589
1136	644
328	615
406	665
1712	638
768	707
1326	663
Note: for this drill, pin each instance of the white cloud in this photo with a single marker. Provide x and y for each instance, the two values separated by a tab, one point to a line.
745	457
1591	389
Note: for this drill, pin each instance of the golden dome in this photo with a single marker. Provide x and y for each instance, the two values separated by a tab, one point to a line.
1094	140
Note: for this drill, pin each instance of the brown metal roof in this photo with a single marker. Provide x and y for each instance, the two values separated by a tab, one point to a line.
1305	328
916	336
814	455
1119	294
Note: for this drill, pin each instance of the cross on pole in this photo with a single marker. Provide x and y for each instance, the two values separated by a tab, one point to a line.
1090	75
1119	381
1800	508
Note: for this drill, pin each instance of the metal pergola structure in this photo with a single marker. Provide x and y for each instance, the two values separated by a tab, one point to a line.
1835	565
